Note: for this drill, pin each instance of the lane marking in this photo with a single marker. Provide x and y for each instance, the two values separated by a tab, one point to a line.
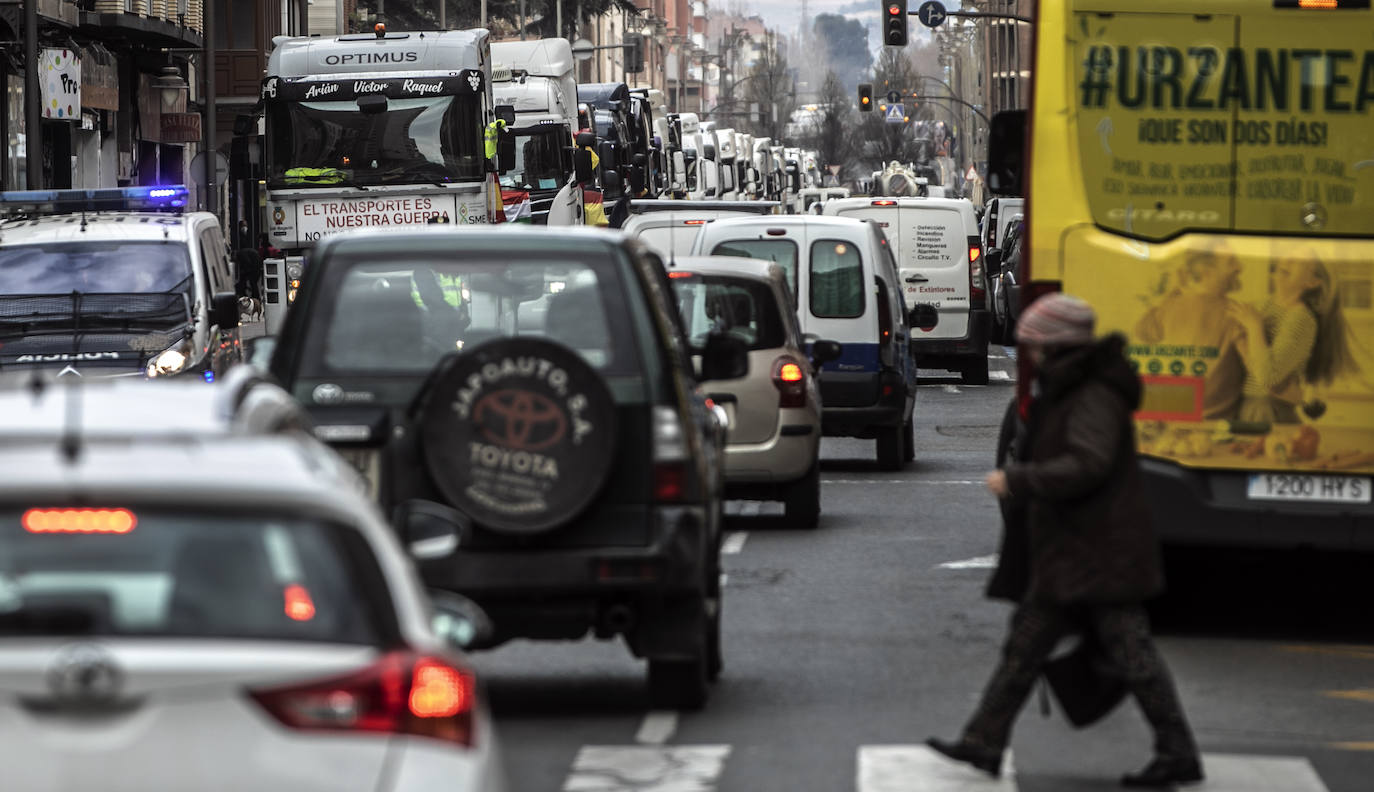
750	509
981	562
906	482
918	768
1000	376
1240	773
658	727
950	389
643	768
734	542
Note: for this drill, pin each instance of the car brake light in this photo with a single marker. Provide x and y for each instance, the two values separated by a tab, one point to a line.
399	694
975	272
694	222
79	521
670	456
680	274
299	606
790	379
884	203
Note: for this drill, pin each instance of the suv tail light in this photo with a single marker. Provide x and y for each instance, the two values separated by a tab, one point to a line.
670	455
976	294
402	693
789	377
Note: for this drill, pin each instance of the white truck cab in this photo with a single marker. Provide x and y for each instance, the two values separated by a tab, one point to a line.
536	78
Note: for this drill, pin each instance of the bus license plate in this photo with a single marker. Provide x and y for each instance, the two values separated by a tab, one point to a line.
1309	487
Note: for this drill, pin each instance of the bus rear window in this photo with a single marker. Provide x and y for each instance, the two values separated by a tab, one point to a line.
1255	123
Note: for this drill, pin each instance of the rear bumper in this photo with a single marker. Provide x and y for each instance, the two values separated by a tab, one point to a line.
785	457
890	410
973	344
1210	508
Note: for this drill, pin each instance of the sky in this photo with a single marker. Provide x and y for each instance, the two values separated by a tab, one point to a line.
785	15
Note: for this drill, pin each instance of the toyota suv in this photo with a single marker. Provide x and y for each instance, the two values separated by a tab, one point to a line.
533	389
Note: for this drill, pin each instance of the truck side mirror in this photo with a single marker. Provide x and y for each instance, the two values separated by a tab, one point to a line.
506	113
607	152
582	166
586	139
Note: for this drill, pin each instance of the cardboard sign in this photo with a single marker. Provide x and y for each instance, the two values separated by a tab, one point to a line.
59	84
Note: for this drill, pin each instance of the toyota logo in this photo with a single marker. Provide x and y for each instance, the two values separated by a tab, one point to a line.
328	393
520	420
85	674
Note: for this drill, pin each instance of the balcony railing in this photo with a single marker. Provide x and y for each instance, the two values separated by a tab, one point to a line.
185	13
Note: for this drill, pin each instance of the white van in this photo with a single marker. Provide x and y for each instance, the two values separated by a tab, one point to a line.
845	286
940	256
674	232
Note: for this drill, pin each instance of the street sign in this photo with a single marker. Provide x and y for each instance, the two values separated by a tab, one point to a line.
931	13
583	49
221	168
893	97
896	114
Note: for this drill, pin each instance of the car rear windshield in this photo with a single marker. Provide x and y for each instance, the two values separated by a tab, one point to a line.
138	572
94	268
400	316
837	280
740	307
782	252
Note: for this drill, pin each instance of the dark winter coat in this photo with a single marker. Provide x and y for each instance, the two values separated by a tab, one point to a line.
1090	538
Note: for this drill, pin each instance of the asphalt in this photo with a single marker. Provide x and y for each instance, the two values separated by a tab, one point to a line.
846	646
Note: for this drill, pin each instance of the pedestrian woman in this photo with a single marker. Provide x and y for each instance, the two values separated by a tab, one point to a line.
1092	556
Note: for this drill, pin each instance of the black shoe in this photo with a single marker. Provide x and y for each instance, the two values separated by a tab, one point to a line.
989	760
1166	771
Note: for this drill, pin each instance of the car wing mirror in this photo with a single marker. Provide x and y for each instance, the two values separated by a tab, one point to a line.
823	352
431	530
461	622
923	316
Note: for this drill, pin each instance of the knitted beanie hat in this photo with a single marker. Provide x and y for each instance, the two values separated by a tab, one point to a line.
1056	320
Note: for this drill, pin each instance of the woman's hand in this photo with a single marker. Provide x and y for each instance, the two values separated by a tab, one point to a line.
1247	316
996	482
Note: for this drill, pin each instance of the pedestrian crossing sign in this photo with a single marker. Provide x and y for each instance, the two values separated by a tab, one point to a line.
896	114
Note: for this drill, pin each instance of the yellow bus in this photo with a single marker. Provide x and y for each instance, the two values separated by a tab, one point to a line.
1202	172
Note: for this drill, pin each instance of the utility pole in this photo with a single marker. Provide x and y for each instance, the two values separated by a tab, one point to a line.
33	104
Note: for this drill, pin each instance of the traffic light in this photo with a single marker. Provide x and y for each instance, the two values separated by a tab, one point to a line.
865	97
894	23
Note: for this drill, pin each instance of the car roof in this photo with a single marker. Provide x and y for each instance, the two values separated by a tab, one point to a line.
99	226
504	236
787	221
655	205
734	266
904	201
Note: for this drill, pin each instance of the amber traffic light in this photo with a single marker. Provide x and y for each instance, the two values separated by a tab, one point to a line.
865	97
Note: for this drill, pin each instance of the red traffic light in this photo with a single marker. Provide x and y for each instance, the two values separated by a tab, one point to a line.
894	10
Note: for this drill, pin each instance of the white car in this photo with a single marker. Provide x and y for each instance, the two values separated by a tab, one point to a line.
195	594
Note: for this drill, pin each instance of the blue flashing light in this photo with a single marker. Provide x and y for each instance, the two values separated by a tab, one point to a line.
209	375
171	198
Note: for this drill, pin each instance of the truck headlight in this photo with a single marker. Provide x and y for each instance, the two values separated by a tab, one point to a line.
170	361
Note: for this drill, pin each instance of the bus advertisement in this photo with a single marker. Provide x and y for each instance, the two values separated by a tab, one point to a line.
1214	201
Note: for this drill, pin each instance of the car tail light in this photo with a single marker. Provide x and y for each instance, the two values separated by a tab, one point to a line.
789	377
884	203
694	222
402	693
670	455
975	272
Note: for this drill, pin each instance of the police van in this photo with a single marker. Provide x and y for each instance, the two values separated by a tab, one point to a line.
114	282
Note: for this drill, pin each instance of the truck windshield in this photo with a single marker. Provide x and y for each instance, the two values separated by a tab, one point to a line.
430	139
538	159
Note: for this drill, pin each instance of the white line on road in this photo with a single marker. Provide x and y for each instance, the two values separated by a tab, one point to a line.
658	727
907	482
981	562
1000	376
950	389
643	768
734	542
1237	773
916	768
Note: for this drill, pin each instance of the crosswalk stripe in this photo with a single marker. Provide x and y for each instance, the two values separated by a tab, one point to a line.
734	542
917	768
642	768
1240	773
658	727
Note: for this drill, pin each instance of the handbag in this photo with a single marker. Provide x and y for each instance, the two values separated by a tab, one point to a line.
1085	682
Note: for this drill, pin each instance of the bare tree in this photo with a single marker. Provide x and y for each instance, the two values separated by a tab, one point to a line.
832	137
884	141
770	86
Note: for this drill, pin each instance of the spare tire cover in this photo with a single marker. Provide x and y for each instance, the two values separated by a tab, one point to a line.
519	433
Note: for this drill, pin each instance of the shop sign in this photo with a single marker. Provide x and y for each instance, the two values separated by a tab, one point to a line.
180	127
59	84
99	83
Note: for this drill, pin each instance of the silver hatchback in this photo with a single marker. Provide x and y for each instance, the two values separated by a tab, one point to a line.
773	442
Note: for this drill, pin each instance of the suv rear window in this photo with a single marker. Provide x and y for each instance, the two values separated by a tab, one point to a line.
401	316
782	252
181	573
743	308
837	280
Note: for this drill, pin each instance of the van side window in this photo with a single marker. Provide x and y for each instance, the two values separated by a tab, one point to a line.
837	280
